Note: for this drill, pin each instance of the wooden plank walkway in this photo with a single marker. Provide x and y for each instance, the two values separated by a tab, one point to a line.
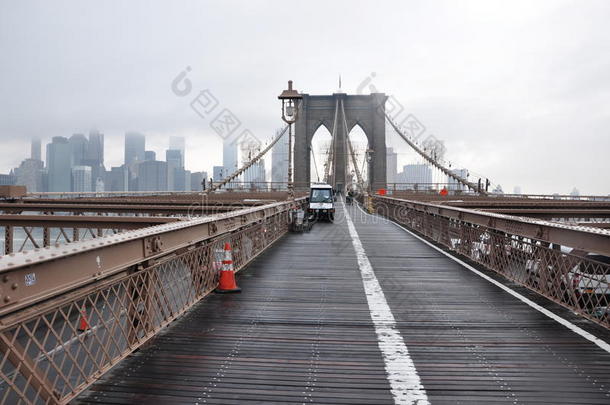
301	332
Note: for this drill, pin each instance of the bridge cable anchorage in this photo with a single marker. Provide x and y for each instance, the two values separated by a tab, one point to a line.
331	156
474	187
246	166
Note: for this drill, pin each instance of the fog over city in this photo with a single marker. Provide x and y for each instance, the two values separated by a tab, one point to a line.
517	91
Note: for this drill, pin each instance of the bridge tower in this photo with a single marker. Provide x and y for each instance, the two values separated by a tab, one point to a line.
364	110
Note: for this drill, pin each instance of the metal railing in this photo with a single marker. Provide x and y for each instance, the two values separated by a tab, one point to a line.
72	312
568	264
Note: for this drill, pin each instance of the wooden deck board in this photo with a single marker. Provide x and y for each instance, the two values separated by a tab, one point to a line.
301	332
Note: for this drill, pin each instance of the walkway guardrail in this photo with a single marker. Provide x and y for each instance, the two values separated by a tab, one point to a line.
568	264
71	312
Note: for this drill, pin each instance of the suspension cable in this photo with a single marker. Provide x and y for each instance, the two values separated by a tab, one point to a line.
474	187
246	166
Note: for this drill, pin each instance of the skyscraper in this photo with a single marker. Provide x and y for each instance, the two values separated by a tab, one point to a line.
81	178
177	143
135	143
175	173
79	146
118	179
95	159
35	150
218	173
196	180
95	152
150	155
279	162
58	164
229	157
152	176
29	174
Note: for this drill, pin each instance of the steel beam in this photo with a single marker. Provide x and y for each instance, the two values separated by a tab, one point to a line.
579	237
40	274
82	221
549	213
185	209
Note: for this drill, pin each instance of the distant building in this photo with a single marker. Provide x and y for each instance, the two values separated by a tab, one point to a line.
186	185
454	184
79	146
81	178
8	179
255	175
196	180
229	158
218	173
517	190
575	192
30	174
100	186
95	151
58	164
118	179
150	155
416	175
152	176
135	144
391	165
35	151
177	143
279	162
175	172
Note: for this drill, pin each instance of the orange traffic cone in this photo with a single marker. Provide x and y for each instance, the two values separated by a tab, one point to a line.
83	323
226	280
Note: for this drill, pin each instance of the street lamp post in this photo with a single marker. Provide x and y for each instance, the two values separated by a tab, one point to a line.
290	112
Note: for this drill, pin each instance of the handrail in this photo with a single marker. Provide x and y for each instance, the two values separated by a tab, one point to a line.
54	270
585	238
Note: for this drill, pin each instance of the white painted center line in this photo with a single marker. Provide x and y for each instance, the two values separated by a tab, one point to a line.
401	372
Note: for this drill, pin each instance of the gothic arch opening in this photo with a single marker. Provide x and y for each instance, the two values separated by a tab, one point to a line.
360	144
319	150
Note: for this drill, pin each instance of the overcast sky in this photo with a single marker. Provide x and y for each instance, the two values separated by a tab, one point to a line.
518	91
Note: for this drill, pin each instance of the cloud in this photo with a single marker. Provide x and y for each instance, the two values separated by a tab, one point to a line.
493	79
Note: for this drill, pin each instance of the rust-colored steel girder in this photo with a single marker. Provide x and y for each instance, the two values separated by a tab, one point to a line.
191	209
148	197
82	221
525	250
57	269
549	213
582	238
124	288
594	224
488	203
